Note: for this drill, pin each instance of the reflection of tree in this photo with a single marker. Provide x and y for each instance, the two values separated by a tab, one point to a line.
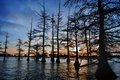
58	71
18	74
68	71
27	76
52	71
42	74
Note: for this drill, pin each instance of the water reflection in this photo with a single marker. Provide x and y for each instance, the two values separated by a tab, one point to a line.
12	69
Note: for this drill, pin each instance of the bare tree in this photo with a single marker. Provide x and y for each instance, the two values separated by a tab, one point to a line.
75	24
68	25
103	64
37	47
102	15
29	42
53	22
1	47
58	24
42	29
19	48
44	24
6	43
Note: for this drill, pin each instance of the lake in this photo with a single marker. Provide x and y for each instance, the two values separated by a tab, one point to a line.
12	69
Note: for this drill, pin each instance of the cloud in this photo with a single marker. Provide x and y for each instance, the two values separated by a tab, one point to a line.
15	30
15	15
8	24
2	33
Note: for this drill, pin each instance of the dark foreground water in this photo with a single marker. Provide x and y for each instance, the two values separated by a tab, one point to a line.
11	69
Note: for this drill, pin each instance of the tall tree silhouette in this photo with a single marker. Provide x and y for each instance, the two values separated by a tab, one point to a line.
68	23
44	24
53	22
6	43
37	47
89	41
76	23
1	46
42	29
19	48
58	25
103	64
86	41
76	64
29	42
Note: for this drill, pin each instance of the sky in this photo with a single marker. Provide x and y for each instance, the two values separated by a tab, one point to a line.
15	17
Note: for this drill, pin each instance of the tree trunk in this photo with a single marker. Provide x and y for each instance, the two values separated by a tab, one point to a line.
86	41
43	56
19	45
104	71
58	59
52	56
29	44
6	41
76	64
90	59
68	56
37	53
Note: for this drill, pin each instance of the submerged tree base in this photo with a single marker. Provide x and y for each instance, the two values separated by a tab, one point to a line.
77	64
52	59
58	60
104	72
4	59
18	59
37	59
43	60
68	60
28	59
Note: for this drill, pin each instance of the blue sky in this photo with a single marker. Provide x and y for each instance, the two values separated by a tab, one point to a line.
15	16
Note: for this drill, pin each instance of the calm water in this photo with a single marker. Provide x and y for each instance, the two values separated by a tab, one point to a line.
11	69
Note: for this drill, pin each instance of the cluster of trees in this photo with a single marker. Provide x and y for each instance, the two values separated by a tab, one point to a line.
96	20
102	18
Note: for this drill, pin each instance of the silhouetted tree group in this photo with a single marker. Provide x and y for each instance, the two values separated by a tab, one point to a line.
103	17
93	22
